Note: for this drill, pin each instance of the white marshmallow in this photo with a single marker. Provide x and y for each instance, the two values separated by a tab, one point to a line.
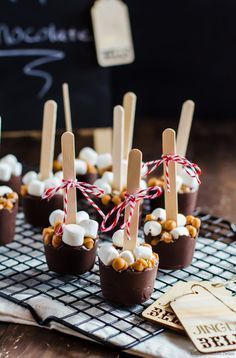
104	160
181	220
159	214
52	183
144	169
143	252
102	185
17	169
107	253
90	227
59	175
59	158
28	177
81	167
73	235
187	179
179	182
179	231
118	238
89	155
153	228
143	184
5	172
5	190
55	216
9	159
81	216
36	188
108	177
128	257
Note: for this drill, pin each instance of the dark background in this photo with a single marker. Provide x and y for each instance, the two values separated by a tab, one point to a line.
184	49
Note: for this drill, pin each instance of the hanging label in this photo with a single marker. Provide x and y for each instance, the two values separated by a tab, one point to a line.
112	33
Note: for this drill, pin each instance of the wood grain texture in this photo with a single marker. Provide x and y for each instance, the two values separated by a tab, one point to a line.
67	109
118	147
129	104
184	127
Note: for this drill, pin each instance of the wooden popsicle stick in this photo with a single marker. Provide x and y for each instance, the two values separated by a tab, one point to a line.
48	139
67	110
68	157
118	147
102	138
184	127
133	186
171	201
129	104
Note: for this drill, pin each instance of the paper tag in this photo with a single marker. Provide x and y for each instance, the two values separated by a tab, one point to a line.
209	321
112	33
161	312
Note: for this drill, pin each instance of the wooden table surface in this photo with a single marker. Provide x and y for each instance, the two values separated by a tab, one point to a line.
212	146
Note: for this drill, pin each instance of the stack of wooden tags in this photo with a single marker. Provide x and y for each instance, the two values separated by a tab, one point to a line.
204	310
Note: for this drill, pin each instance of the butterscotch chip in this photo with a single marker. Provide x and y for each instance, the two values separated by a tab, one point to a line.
88	243
116	200
24	190
150	217
143	262
47	239
48	231
12	196
192	230
8	205
196	223
167	237
106	199
56	241
91	169
140	265
155	182
154	242
57	225
170	225
119	264
189	219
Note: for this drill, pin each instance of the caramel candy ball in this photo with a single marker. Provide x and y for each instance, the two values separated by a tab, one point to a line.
47	239
48	231
154	242
119	264
91	169
150	217
192	230
9	205
116	200
24	190
185	188
167	237
56	241
196	223
190	219
106	199
154	182
12	196
57	166
140	265
170	225
88	243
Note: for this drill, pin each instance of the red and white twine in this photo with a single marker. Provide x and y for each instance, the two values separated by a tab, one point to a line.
130	200
190	168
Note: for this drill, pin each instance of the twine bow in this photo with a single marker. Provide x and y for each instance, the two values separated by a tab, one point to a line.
130	200
85	189
190	168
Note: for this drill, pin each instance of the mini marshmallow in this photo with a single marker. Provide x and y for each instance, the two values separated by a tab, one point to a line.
181	220
5	172
28	177
36	188
179	231
187	179
89	155
143	184
59	158
102	185
52	183
143	252
128	257
118	238
179	182
90	227
9	159
73	235
107	253
81	216
81	167
108	177
159	214
55	216
153	228
59	175
104	160
5	190
17	169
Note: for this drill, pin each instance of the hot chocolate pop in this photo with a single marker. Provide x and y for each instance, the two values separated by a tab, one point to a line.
8	211
71	241
127	269
36	210
170	234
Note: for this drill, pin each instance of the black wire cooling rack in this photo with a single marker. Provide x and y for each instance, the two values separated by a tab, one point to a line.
24	278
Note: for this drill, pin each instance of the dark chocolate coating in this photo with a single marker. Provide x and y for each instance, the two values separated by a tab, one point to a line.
186	202
37	210
8	224
69	259
87	178
176	255
127	287
14	183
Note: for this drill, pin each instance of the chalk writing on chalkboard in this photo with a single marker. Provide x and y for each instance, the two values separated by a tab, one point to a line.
30	35
42	2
